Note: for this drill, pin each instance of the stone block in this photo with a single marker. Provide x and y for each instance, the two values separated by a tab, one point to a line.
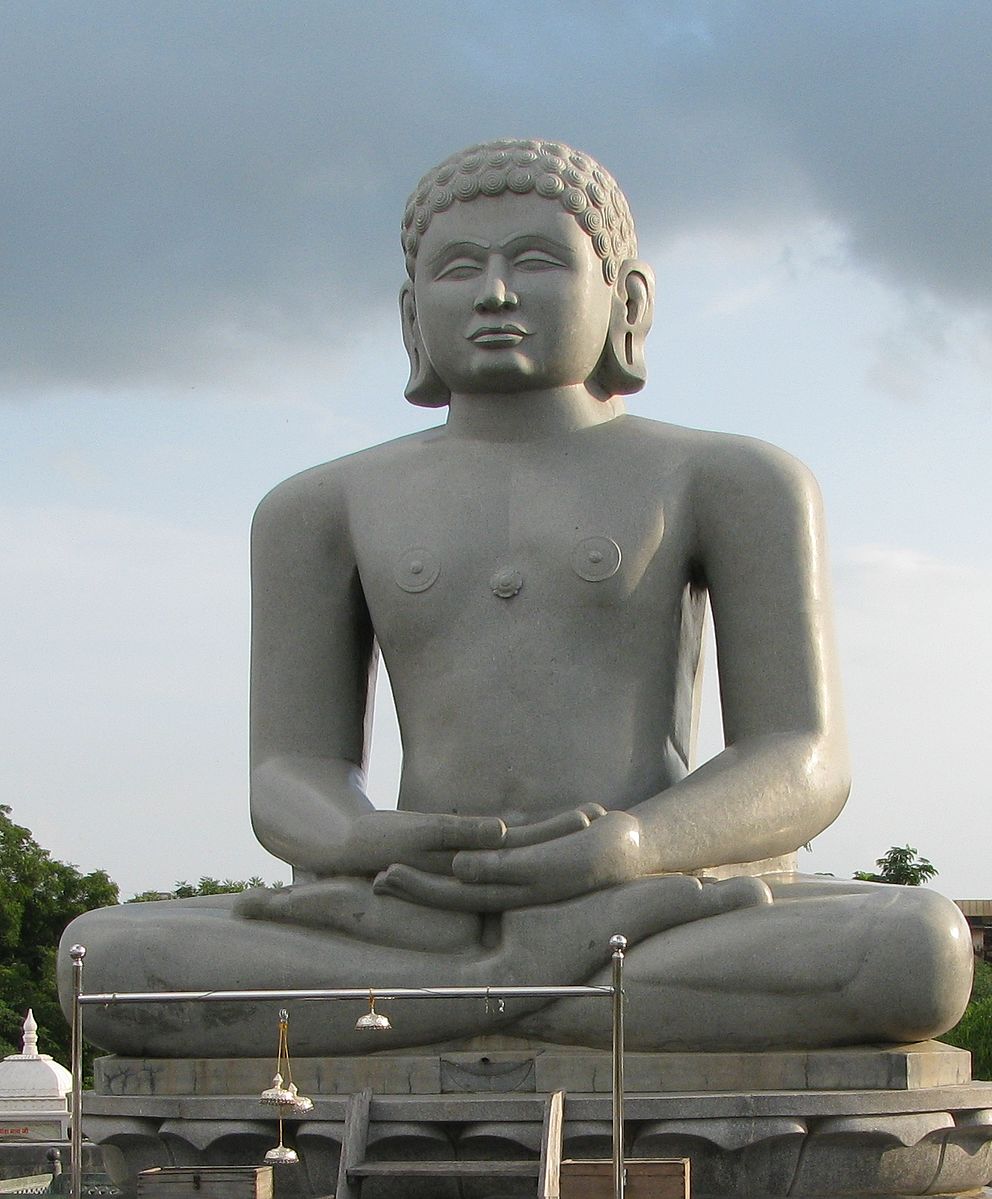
544	1069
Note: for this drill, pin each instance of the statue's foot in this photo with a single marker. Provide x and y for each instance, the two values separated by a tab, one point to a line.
637	910
729	894
261	903
828	963
349	906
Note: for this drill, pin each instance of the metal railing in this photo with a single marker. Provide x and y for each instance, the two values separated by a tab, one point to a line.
80	999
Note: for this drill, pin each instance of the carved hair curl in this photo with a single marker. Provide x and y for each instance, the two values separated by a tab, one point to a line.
579	184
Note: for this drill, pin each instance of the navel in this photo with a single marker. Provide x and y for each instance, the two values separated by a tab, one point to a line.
506	582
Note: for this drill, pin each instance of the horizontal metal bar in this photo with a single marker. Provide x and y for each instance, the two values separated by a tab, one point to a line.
105	999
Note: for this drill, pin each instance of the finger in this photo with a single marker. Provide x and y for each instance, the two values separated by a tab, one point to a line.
511	867
546	830
592	810
430	861
429	890
470	832
389	836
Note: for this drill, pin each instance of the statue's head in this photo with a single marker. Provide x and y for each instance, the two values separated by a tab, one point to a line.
517	186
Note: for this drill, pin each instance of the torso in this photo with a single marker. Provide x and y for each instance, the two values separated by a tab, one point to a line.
537	611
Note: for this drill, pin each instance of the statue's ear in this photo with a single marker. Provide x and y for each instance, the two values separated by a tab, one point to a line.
622	369
425	386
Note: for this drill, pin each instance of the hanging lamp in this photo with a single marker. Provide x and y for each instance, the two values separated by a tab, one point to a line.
372	1021
284	1096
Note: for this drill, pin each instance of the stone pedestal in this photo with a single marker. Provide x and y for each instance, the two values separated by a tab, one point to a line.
892	1121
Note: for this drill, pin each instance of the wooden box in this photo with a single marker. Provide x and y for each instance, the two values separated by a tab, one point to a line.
647	1178
206	1182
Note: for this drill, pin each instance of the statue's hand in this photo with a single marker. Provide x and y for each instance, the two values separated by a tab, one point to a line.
424	840
572	821
604	853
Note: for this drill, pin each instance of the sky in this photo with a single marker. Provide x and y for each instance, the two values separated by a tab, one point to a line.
199	215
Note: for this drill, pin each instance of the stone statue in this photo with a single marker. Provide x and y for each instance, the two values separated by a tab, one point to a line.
535	573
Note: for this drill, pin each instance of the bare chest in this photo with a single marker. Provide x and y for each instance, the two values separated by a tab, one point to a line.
497	547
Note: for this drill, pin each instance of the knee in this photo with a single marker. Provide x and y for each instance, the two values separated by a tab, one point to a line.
922	963
88	930
76	933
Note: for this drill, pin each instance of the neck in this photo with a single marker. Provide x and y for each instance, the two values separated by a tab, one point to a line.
529	415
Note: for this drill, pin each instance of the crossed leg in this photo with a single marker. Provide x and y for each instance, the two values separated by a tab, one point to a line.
829	962
825	963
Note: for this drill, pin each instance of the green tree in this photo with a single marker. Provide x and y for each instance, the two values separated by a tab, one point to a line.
974	1030
900	865
982	986
206	886
38	898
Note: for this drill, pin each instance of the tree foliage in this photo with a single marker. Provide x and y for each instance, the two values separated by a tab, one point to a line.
38	898
982	986
901	865
974	1030
206	886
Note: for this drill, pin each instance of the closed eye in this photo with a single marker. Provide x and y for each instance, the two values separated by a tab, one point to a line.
459	268
536	260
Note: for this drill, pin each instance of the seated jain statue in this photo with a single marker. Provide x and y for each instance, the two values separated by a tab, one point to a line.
535	574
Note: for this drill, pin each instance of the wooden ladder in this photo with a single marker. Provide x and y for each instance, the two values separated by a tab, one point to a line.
354	1167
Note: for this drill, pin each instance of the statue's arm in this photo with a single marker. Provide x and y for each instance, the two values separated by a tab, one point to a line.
313	660
783	776
312	668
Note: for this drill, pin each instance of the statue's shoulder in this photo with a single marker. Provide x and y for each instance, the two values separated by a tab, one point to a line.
330	485
726	462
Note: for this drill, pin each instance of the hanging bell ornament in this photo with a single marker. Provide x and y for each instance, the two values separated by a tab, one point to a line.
282	1155
277	1095
285	1099
372	1021
301	1103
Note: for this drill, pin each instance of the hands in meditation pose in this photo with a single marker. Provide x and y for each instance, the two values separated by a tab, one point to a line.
535	574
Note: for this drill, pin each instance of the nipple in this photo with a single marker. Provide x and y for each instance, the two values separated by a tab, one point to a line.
596	558
416	569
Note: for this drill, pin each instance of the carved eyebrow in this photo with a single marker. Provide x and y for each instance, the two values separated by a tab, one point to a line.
537	241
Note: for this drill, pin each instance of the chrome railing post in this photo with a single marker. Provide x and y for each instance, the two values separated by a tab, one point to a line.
77	953
618	944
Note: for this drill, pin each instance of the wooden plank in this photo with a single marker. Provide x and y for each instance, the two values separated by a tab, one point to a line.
647	1178
549	1180
356	1135
449	1169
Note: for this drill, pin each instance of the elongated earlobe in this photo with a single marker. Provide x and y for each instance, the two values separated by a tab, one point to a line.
622	369
425	386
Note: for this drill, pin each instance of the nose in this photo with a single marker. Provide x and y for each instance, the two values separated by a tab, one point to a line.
494	295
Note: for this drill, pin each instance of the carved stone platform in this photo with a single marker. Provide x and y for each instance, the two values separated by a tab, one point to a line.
870	1121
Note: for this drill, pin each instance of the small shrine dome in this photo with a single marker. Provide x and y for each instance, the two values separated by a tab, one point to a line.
30	1074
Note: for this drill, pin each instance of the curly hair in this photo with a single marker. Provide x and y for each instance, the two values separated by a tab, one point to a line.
580	185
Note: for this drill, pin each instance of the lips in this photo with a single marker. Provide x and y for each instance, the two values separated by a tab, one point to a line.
498	335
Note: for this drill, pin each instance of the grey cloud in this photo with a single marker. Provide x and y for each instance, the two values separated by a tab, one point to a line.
888	110
186	187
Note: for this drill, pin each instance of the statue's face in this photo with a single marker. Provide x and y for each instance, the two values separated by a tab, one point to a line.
510	296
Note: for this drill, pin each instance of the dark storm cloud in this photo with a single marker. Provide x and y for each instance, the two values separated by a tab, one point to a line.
186	186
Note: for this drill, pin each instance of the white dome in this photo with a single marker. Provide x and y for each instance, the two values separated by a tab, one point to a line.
30	1074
